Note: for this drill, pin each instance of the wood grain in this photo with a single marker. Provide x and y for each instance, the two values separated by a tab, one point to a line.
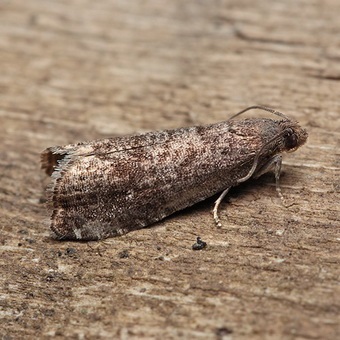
78	70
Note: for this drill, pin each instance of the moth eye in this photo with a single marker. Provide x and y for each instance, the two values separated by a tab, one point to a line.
290	139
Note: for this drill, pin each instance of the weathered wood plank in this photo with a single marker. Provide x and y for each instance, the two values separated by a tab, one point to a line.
77	70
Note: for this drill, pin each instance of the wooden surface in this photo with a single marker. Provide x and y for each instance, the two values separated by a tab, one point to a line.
78	70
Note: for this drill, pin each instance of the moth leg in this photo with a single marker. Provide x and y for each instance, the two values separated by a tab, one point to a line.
273	164
215	210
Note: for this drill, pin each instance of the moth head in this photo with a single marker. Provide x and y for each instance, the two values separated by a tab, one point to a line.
293	135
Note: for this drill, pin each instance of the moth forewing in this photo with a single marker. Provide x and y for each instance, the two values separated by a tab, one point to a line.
112	186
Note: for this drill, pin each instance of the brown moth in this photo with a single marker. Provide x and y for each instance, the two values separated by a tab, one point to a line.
109	187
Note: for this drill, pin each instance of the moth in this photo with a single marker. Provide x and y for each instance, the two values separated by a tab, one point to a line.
109	187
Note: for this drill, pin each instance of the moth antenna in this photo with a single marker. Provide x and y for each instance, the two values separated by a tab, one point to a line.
260	107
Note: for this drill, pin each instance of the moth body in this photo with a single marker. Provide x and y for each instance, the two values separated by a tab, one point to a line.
109	187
